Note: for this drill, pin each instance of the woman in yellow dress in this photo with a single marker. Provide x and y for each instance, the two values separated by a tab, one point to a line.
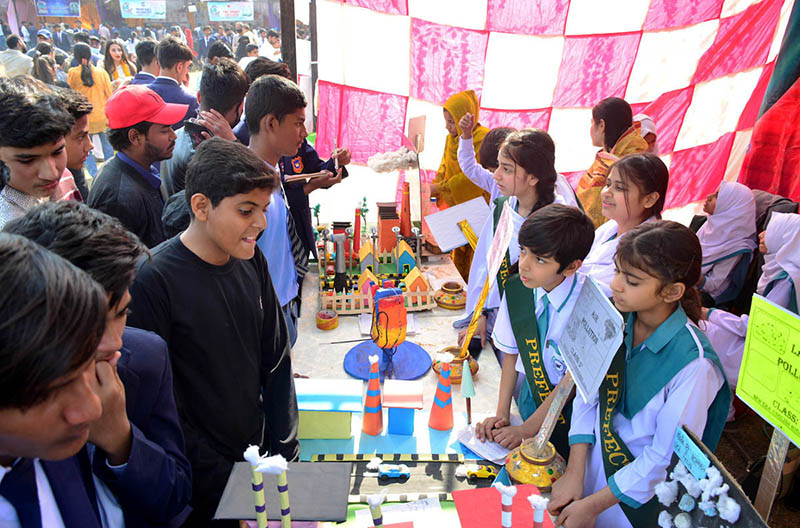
614	131
451	186
117	63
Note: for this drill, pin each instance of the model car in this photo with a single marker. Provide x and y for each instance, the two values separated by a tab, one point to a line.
387	471
476	471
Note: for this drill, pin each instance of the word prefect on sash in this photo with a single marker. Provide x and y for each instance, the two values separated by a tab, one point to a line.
522	313
615	453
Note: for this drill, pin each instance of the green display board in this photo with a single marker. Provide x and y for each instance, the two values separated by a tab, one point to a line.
769	379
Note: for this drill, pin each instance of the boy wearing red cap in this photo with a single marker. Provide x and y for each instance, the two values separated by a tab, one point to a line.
128	186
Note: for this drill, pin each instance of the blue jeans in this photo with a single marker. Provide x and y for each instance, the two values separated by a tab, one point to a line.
108	150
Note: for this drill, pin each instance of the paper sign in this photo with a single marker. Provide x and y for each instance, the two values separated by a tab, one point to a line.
444	224
502	238
769	379
156	9
228	11
590	340
58	8
491	451
690	454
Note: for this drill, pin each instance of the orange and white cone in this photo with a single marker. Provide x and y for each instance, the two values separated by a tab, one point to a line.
373	411
442	409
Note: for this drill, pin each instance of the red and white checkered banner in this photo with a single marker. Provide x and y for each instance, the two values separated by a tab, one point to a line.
699	68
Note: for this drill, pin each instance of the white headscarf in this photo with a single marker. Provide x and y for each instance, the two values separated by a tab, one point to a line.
732	227
648	127
783	251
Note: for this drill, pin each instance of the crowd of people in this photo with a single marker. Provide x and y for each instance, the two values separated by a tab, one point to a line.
149	306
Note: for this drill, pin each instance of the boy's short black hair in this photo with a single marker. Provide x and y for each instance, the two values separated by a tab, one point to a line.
272	33
75	103
271	94
222	168
13	41
145	52
490	147
261	66
118	137
219	48
559	231
171	51
52	316
93	241
31	119
222	86
251	47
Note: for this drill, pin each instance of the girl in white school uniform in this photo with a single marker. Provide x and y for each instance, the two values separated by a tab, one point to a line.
526	177
728	235
780	245
664	376
634	193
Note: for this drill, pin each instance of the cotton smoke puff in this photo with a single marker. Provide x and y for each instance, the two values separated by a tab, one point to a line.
402	158
376	499
665	519
538	502
682	475
683	520
508	491
712	485
667	492
728	508
374	464
445	357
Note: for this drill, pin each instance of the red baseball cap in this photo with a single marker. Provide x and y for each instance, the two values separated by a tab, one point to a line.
133	104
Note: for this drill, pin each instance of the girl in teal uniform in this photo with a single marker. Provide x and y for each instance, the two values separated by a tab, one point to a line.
664	376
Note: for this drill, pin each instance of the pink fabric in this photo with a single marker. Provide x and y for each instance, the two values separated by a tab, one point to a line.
573	177
445	60
668	111
595	67
360	119
742	42
697	172
750	113
527	17
516	118
666	14
393	7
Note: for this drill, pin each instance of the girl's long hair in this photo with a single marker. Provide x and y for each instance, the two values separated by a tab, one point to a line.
533	150
83	54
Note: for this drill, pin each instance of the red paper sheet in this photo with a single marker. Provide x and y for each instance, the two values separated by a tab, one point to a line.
481	507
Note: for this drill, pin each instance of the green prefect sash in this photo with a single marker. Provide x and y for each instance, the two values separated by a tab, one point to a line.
522	313
615	453
502	273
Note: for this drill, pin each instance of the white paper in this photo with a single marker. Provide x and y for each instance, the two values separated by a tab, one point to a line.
444	224
425	513
500	241
491	451
365	324
591	338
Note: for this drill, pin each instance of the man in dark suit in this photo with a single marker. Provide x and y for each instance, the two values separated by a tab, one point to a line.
128	185
203	43
175	59
62	39
139	423
48	398
147	62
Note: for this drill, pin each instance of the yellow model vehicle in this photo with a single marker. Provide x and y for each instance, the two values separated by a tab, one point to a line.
476	471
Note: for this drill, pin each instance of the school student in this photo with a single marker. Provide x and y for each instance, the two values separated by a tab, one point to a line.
536	305
47	387
614	131
634	193
728	236
208	293
174	60
78	141
275	111
780	245
32	157
664	376
146	62
526	178
136	447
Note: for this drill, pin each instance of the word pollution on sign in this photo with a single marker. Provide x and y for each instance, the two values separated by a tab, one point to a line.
769	379
592	337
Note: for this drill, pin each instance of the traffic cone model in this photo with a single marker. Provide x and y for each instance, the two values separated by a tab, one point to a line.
373	412
442	410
